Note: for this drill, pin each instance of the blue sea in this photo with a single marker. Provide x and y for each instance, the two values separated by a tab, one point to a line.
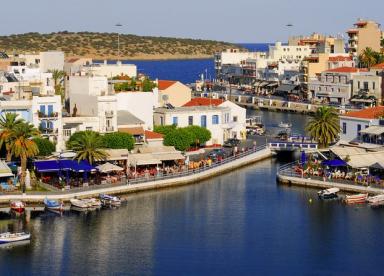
186	71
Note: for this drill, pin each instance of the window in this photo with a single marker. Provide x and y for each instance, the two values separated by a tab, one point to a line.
175	121
67	132
358	85
373	85
358	129
215	119
161	121
235	118
344	128
50	109
365	85
42	109
226	118
190	120
203	120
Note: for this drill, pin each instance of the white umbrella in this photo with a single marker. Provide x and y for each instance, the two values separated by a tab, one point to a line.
27	179
108	167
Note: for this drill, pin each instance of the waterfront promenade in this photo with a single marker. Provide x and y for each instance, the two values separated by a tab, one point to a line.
150	183
287	176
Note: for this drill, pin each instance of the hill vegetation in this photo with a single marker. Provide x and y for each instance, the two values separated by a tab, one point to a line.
104	45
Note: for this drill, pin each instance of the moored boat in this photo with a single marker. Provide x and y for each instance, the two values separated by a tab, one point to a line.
376	201
108	200
330	193
14	237
356	199
80	203
17	206
285	125
93	202
54	205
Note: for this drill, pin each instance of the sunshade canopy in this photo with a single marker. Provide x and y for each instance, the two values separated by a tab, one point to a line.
108	167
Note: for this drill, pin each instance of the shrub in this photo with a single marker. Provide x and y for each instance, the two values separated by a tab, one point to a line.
180	138
200	135
119	140
45	146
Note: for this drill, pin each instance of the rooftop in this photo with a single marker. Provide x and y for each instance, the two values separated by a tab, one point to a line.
378	66
127	118
190	109
204	102
369	113
165	84
340	58
347	70
149	135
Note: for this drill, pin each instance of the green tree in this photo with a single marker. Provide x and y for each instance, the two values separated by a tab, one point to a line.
148	85
200	135
164	129
367	57
8	122
23	146
180	138
45	146
88	146
324	127
119	140
57	76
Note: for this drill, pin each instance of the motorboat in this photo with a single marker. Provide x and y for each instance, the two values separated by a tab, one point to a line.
330	193
80	203
17	206
93	202
376	201
14	237
54	205
108	200
356	199
285	125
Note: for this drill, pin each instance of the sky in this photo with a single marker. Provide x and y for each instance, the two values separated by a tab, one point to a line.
238	21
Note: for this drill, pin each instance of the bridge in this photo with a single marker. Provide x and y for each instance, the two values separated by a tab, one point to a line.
292	146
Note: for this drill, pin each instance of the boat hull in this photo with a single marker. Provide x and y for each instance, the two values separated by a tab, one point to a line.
12	239
356	199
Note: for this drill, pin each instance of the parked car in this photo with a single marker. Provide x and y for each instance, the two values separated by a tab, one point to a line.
232	142
215	153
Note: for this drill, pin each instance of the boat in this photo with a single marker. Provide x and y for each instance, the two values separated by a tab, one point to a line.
18	206
14	237
93	202
376	201
285	125
356	199
108	200
80	203
54	205
330	193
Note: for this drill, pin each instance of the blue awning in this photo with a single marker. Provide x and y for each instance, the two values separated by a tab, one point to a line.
335	163
63	165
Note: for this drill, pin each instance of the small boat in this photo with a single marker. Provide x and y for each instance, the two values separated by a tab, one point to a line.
93	202
108	200
54	205
14	237
18	206
285	125
356	199
376	201
330	193
80	203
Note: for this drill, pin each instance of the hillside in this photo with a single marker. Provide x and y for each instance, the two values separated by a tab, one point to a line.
104	45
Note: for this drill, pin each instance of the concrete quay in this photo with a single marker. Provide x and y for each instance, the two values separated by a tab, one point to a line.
162	183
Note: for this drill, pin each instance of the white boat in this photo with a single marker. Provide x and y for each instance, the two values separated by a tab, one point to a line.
108	200
356	199
285	125
93	202
17	206
376	201
328	193
14	237
80	203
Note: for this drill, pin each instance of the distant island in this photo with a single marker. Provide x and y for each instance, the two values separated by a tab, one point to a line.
104	45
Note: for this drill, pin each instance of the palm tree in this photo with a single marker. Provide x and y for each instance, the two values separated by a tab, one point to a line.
87	146
8	122
324	127
23	146
57	76
367	57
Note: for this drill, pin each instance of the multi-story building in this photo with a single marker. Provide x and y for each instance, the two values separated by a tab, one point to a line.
319	43
173	92
364	34
367	88
333	85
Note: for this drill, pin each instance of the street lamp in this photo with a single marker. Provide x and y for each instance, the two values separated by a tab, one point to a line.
118	41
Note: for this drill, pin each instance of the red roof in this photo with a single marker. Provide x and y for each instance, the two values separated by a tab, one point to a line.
153	135
165	84
378	66
204	101
369	113
340	58
347	70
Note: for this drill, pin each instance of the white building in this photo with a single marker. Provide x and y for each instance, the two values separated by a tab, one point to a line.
109	70
43	112
355	124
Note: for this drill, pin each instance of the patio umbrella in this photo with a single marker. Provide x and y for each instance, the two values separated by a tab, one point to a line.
108	167
27	179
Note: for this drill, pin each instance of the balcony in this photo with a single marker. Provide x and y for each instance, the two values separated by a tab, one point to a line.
109	114
52	115
46	131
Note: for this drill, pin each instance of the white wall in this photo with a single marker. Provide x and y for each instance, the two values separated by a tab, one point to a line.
111	70
239	127
52	60
351	127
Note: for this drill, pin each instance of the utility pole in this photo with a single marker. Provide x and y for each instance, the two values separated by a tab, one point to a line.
118	41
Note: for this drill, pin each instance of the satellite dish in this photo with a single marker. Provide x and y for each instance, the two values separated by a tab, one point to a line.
165	98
